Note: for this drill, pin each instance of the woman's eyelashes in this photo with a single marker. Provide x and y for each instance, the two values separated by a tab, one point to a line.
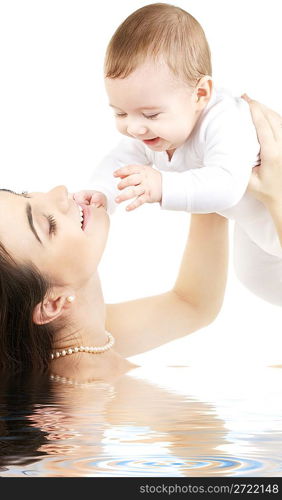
52	224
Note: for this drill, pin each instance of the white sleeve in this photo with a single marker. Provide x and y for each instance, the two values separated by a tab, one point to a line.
127	152
230	150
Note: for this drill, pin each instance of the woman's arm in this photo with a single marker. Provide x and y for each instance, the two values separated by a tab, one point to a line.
266	180
192	303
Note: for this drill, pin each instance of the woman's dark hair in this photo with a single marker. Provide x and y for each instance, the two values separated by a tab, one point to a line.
24	345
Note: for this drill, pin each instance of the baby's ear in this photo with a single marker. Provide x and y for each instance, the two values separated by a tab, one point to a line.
51	308
203	91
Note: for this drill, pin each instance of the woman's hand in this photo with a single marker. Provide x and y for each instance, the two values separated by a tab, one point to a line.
266	179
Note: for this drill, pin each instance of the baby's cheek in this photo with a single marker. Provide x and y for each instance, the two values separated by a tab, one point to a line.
121	127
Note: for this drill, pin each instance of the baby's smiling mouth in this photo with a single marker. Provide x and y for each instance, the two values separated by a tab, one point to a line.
151	141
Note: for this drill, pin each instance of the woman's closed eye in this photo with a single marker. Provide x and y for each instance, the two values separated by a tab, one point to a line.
52	224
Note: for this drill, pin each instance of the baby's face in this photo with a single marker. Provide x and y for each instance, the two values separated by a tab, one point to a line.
153	106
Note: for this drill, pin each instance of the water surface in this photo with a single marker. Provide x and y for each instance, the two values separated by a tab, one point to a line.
174	421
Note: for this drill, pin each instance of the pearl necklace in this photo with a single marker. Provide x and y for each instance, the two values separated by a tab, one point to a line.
90	383
92	350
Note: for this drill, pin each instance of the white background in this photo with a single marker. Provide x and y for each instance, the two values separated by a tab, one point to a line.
55	125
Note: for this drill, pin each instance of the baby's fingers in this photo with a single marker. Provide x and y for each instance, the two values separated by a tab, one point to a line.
129	193
128	170
140	200
98	199
130	180
82	197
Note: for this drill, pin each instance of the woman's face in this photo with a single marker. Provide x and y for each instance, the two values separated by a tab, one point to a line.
45	228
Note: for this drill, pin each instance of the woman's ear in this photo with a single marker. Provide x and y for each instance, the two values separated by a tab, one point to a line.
203	91
52	307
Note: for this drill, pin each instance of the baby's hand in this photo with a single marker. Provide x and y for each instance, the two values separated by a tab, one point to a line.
91	198
141	182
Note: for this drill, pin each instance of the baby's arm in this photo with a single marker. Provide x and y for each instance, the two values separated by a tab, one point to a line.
228	149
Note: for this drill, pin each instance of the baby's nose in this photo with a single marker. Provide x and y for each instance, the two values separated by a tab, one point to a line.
136	130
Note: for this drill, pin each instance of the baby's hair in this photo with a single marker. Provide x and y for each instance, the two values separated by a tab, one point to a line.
159	31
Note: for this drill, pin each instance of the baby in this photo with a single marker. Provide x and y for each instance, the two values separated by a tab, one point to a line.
188	146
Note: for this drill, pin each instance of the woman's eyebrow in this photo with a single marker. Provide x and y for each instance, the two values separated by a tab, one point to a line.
24	193
28	213
30	222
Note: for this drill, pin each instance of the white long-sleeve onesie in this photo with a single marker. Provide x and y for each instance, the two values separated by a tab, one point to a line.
208	173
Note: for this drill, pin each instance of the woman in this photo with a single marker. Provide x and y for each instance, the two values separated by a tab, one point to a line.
52	309
63	305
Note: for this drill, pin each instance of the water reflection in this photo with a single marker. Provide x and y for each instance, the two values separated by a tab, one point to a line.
166	422
20	438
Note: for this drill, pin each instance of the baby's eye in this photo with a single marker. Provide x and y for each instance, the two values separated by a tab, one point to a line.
151	117
120	115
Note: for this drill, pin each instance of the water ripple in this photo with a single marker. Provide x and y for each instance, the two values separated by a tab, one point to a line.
158	466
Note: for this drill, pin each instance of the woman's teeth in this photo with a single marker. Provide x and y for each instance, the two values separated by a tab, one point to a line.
81	215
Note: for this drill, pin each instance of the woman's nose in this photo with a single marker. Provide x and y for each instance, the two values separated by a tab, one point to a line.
60	196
